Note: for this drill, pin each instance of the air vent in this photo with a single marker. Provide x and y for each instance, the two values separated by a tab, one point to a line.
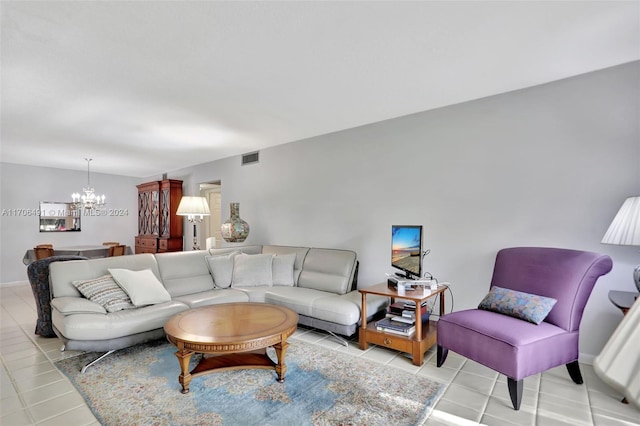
250	158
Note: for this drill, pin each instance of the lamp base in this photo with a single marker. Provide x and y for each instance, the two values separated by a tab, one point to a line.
636	277
196	245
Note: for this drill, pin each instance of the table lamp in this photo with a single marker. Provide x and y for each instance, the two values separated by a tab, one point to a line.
625	230
195	208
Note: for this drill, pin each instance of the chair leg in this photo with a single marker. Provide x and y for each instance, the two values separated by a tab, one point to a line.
574	371
515	392
441	355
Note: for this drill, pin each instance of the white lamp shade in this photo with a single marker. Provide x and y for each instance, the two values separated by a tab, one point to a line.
193	206
625	228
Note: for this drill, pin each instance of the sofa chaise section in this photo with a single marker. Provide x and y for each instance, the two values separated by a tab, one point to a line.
85	325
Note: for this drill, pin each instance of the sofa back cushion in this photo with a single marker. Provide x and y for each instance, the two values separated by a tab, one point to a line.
241	249
328	270
252	270
63	273
185	272
300	252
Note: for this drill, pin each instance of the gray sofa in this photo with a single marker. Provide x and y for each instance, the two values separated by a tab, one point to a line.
323	293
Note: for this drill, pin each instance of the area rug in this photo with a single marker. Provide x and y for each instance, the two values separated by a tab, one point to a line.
139	386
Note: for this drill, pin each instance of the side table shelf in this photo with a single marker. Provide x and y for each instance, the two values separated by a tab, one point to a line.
425	335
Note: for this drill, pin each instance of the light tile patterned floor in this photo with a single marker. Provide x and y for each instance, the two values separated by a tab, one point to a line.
34	392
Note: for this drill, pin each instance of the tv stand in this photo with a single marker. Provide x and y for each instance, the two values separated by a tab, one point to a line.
425	335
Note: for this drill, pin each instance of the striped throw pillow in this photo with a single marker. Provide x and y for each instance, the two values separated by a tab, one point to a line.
106	292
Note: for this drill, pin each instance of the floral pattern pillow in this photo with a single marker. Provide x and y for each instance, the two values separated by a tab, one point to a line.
525	306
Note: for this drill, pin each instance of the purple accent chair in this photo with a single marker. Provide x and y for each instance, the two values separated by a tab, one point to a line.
517	348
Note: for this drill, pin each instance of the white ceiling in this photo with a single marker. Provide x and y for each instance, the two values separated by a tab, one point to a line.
148	87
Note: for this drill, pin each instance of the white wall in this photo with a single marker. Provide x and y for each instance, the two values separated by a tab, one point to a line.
23	187
545	166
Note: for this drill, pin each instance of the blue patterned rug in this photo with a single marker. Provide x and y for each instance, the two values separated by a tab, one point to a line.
139	386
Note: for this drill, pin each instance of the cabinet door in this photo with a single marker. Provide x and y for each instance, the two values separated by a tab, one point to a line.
149	209
170	223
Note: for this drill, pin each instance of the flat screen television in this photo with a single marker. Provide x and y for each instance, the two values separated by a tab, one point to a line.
406	250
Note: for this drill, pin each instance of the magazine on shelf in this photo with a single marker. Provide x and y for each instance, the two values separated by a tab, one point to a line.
412	315
390	323
412	305
408	333
406	320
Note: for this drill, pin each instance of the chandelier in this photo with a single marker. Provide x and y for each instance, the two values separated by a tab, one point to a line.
89	201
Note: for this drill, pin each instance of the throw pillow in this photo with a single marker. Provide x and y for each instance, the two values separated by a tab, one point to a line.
252	270
143	287
525	306
282	269
105	292
221	268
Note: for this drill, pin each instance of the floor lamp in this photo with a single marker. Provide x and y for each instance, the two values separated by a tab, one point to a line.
625	230
195	208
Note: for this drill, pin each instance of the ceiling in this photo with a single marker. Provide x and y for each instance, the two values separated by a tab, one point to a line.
149	87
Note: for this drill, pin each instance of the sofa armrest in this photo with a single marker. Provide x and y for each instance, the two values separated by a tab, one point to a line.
76	305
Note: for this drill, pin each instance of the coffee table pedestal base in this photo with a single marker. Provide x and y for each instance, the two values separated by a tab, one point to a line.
234	361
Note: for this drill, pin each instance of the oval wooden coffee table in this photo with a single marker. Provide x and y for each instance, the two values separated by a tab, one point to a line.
237	333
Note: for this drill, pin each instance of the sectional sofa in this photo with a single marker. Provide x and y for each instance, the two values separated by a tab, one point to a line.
318	283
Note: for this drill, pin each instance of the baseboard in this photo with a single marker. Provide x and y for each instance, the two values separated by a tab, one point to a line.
586	358
14	283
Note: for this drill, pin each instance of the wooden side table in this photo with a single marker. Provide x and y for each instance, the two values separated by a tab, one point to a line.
425	335
623	299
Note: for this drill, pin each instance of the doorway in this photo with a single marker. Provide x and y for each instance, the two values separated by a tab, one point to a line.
212	191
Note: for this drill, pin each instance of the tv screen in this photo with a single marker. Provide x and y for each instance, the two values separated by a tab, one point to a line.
406	249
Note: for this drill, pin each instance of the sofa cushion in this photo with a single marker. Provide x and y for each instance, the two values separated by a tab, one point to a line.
221	268
296	298
185	272
517	304
336	308
68	305
143	287
255	294
251	270
212	297
105	292
300	252
282	269
117	324
241	249
328	270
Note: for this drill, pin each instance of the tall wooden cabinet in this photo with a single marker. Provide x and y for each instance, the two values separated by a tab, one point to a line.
159	228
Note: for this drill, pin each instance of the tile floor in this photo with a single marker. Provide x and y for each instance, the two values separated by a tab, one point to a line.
34	392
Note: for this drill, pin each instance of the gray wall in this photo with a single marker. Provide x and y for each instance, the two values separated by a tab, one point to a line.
23	187
547	166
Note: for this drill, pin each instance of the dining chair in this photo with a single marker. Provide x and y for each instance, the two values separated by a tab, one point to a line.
42	252
111	243
117	250
44	246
